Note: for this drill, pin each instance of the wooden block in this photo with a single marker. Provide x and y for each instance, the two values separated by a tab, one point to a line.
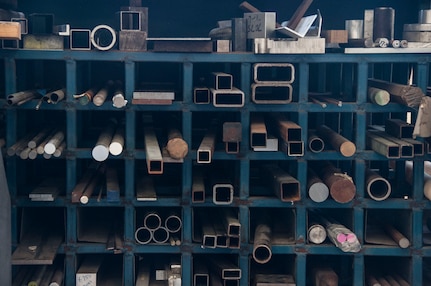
10	30
335	36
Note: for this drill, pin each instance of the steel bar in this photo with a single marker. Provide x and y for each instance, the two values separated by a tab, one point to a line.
152	221
383	281
262	252
100	151
225	268
119	99
404	94
54	142
145	190
100	97
46	280
341	236
221	80
60	150
378	96
83	183
271	93
25	153
117	143
40	149
92	185
160	235
378	188
143	235
317	190
315	143
299	13
112	185
406	149
397	236
152	152
273	73
391	280
399	128
198	187
341	144
177	147
39	137
5	230
325	98
383	146
285	186
21	96
372	281
316	233
24	278
289	131
205	151
201	95
325	276
37	276
173	223
341	186
20	144
427	177
227	97
58	277
258	132
400	280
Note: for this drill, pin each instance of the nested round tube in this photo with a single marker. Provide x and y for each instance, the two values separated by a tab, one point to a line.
143	235
161	235
173	223
152	221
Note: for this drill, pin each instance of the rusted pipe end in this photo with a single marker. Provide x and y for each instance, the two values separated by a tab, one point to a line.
177	148
348	149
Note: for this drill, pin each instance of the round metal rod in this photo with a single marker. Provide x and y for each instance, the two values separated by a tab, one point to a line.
176	146
317	190
117	144
346	147
316	233
54	142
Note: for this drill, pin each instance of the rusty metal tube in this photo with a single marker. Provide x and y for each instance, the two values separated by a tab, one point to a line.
315	143
346	147
262	243
378	188
176	146
258	132
152	152
143	235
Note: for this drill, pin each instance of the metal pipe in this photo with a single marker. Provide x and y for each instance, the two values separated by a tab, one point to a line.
209	235
231	222
54	142
379	96
397	236
21	96
86	97
315	143
200	274
173	223
143	235
285	186
152	221
5	230
318	191
258	132
117	143
262	252
225	268
100	151
346	147
176	146
399	128
160	235
341	186
316	233
378	188
406	149
56	95
152	152
205	151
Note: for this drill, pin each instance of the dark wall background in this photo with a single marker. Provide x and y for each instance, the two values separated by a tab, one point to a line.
195	18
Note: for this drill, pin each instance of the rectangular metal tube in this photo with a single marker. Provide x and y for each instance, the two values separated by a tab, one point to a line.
227	97
152	152
292	148
289	130
406	149
231	222
418	146
206	148
223	193
383	146
221	80
286	187
225	268
258	132
201	275
201	95
275	73
399	128
271	93
232	147
79	39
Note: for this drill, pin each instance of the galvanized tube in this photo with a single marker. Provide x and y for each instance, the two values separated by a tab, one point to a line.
346	147
176	146
378	188
173	223
262	243
152	221
143	235
160	235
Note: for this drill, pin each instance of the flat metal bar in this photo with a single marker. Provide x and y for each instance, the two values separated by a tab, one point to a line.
152	152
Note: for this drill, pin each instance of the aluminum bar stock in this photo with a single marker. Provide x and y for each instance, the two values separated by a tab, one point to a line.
83	183
5	230
404	94
406	149
54	142
316	233
21	97
143	235
160	235
95	180
100	151
201	275
378	188
341	186
318	191
325	276
262	252
198	187
397	236
401	280
40	149
118	99
24	153
346	147
378	96
206	148
102	94
258	132
225	268
152	152
112	185
315	143
383	146
152	221
117	143
173	223
286	187
145	190
176	146
60	150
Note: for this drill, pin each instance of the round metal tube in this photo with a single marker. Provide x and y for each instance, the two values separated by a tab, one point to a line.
143	235
56	96
378	188
262	244
161	235
21	96
152	221
173	223
383	25
103	37
315	143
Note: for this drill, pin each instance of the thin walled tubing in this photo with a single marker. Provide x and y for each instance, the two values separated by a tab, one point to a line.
152	221
94	38
262	243
346	147
143	235
56	95
14	98
378	188
315	143
160	235
173	223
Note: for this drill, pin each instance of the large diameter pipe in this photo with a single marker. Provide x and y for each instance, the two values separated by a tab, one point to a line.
152	221
341	186
346	147
378	188
262	243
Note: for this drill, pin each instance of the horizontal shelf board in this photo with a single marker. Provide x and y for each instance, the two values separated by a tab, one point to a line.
156	248
389	204
197	248
160	202
385	250
121	56
26	202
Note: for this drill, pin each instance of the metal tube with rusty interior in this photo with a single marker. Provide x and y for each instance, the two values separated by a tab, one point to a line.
152	152
341	186
205	151
378	188
176	146
285	186
346	147
258	132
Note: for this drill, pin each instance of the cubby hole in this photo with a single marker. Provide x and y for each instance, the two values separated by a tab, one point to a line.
203	74
158	226
216	268
99	269
336	81
104	226
329	268
280	268
277	179
50	273
160	76
426	227
217	182
319	220
217	228
388	227
387	268
426	270
158	268
280	221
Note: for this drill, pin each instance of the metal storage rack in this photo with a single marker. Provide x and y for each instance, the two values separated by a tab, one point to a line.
300	254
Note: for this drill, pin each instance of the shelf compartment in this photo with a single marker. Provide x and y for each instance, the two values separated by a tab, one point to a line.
43	274
331	267
161	268
99	269
280	269
388	268
216	268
